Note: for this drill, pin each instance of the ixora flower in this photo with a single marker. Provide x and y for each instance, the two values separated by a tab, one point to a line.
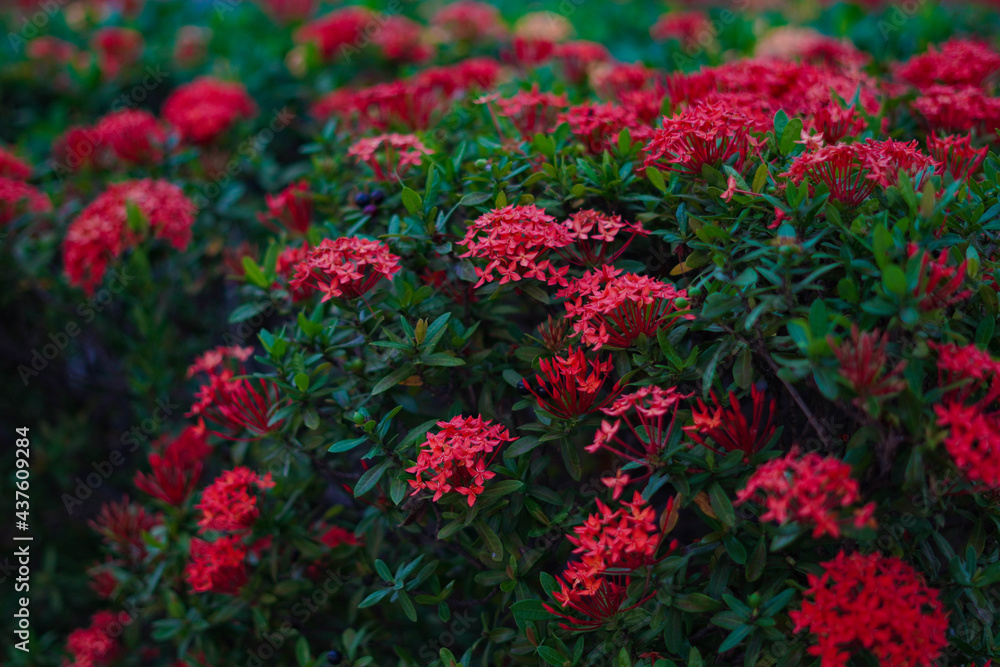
643	412
346	268
122	525
470	21
686	27
570	386
457	456
594	234
227	505
116	49
94	645
13	167
955	155
135	137
610	307
729	429
530	111
291	209
598	125
811	490
17	197
176	466
863	363
201	111
852	171
876	603
958	109
515	239
235	404
217	567
957	62
968	410
708	134
102	231
939	285
577	58
390	156
337	31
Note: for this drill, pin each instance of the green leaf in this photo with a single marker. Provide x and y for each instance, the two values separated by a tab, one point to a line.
492	541
393	378
656	178
894	280
347	445
760	178
523	446
755	566
789	135
371	477
412	201
253	272
552	656
302	652
302	381
737	635
696	603
721	505
694	658
529	610
441	359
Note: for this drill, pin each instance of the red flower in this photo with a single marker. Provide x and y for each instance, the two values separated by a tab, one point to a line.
614	308
80	147
134	136
116	49
239	404
101	232
456	458
346	267
102	580
958	109
17	197
809	490
955	155
939	285
227	505
863	360
291	208
390	156
642	411
94	646
613	81
577	58
402	39
13	167
587	610
340	30
686	27
594	234
570	386
217	567
122	525
204	109
515	239
710	134
729	429
176	467
957	62
288	11
531	111
598	125
470	21
876	603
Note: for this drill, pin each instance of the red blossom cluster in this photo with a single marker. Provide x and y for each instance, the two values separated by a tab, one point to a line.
339	31
175	466
876	603
610	307
577	59
17	197
457	456
810	489
969	411
598	124
938	284
285	268
470	21
955	155
345	268
514	240
610	544
570	387
594	236
729	429
708	134
288	11
810	46
206	108
852	171
235	404
403	40
644	412
101	233
958	109
120	139
218	566
957	62
530	111
688	28
864	364
116	49
389	156
94	646
122	525
291	209
13	167
227	504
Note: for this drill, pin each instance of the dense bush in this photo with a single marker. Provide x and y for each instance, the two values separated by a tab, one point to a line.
408	336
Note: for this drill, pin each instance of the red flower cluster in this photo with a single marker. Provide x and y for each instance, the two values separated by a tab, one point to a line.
235	404
729	429
594	235
176	466
955	155
116	49
968	410
852	171
610	544
686	27
863	364
346	267
939	285
515	239
578	58
217	567
13	167
651	434
94	646
291	209
877	603
121	138
456	458
613	308
17	197
809	490
958	109
287	11
710	134
470	21
957	62
401	39
206	108
227	505
570	386
598	125
102	233
531	111
390	156
122	525
340	30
